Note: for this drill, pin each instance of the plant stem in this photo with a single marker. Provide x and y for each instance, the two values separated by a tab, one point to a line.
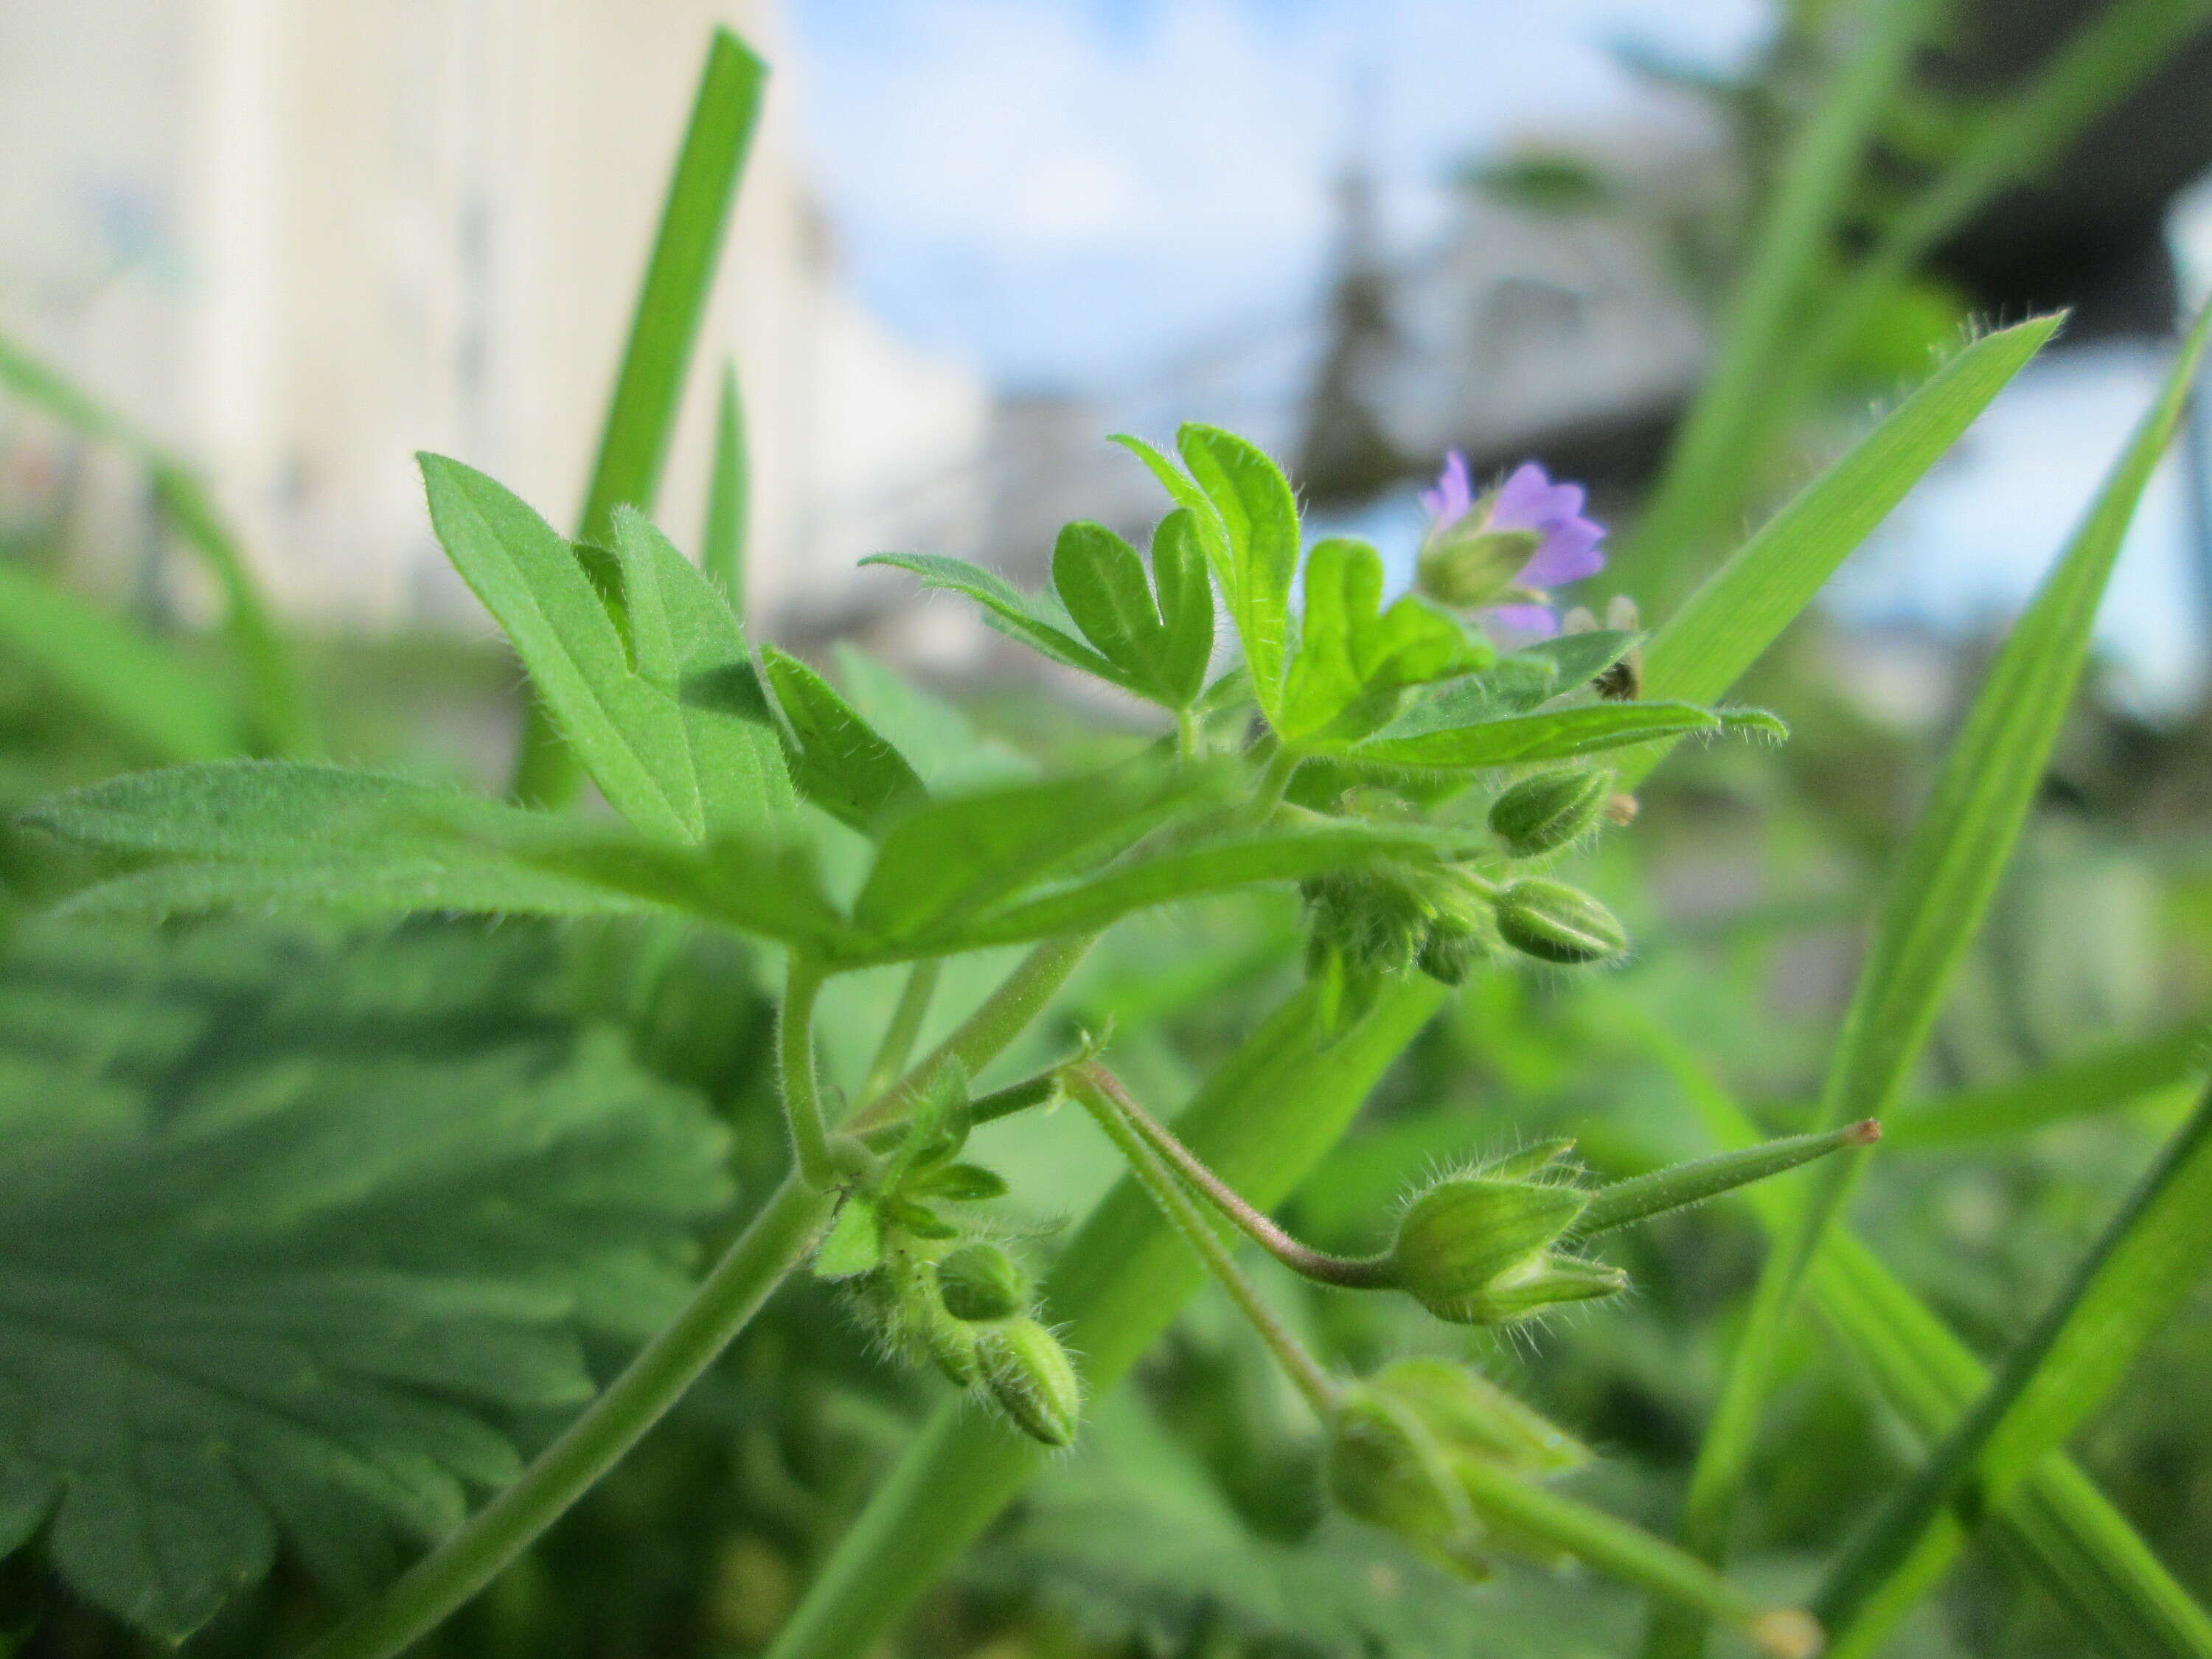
802	1098
1358	1273
984	1034
1187	736
776	1242
1095	1087
897	1044
1274	781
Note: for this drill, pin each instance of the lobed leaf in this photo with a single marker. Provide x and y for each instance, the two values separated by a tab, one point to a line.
1257	553
1354	659
1037	622
302	1224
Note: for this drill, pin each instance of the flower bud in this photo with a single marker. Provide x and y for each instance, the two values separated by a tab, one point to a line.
981	1282
1031	1378
1399	1450
1554	922
1476	1248
1550	810
1466	567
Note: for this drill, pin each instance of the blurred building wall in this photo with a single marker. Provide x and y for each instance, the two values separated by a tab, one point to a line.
299	239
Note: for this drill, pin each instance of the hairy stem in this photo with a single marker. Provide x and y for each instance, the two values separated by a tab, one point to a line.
897	1045
802	1096
438	1585
1109	1104
984	1034
1362	1273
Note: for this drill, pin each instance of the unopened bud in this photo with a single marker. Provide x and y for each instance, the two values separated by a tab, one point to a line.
1554	922
1031	1379
1476	1250
1544	813
1474	566
981	1282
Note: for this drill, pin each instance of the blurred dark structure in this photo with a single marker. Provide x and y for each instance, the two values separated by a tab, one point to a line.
2090	234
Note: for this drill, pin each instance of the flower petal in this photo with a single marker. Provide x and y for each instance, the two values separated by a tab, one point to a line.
1453	497
1567	554
1528	622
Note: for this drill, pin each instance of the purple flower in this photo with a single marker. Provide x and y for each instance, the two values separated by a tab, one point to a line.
1526	537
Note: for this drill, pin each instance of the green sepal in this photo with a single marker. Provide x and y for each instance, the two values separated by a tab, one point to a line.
853	1245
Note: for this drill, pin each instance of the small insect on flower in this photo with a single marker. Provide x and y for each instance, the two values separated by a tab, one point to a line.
1502	553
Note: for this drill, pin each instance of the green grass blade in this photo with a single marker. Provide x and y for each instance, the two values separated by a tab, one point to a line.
155	699
1815	183
729	498
1724	627
276	703
2063	1533
2110	1076
2128	1287
1940	891
2107	57
649	384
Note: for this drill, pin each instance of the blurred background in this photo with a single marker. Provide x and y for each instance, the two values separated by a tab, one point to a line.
287	243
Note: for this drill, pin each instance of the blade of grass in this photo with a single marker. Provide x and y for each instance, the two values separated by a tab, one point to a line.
1795	238
649	384
1941	888
2112	1075
2020	135
2125	1289
1722	629
729	498
156	699
2064	1535
277	703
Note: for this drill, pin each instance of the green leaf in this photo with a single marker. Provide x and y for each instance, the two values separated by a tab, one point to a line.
1038	622
852	1246
1938	896
293	1228
1258	517
628	732
1151	642
2112	1075
701	660
1555	735
1354	658
1191	872
1727	623
277	703
938	739
1186	596
2128	1287
671	300
2069	1538
155	699
951	858
729	499
840	763
961	1183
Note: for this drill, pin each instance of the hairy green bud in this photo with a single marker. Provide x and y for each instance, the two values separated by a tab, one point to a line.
1554	922
1398	1452
1475	567
1394	918
1550	810
1030	1379
981	1282
1476	1249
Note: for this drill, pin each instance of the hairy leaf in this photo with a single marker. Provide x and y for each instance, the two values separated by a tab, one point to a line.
840	763
1039	623
292	1229
1354	658
1557	735
1258	517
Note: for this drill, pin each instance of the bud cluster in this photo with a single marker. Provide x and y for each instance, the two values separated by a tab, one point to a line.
1390	920
940	1291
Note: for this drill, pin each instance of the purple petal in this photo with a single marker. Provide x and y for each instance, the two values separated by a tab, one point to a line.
1528	500
1453	497
1567	554
1533	622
